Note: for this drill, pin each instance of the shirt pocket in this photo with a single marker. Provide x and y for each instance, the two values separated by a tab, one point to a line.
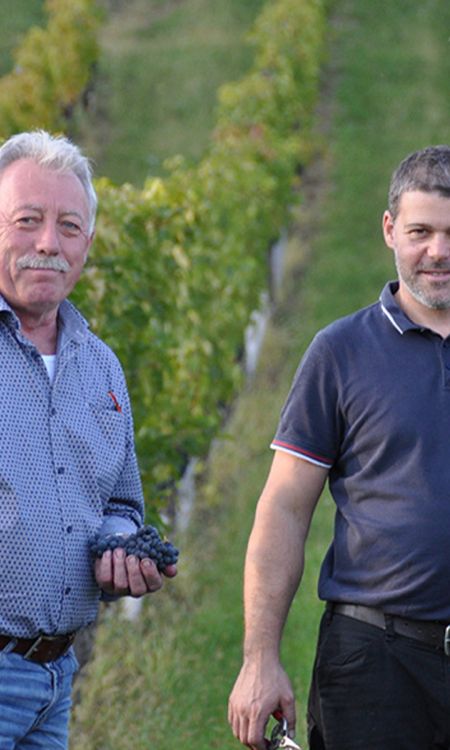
110	447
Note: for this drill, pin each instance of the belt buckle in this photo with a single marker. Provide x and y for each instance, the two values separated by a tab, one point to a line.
34	646
447	641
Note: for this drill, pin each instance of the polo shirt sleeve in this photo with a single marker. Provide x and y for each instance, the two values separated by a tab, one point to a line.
311	424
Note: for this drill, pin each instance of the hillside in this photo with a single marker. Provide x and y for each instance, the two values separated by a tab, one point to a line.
385	92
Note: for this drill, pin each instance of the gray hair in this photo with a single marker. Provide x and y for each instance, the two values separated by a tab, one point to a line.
427	170
52	152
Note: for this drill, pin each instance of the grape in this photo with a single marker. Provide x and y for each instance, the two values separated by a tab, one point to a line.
146	542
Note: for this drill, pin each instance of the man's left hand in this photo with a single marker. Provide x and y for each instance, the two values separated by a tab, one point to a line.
125	575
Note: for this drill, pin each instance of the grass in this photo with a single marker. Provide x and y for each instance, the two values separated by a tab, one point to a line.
169	675
175	666
391	98
14	23
161	66
166	677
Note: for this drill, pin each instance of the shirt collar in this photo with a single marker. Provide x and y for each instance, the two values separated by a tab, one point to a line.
71	324
9	313
393	312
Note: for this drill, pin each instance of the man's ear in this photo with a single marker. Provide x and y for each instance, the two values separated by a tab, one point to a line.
388	229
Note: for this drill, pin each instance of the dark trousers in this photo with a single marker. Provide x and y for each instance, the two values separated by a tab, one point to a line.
375	690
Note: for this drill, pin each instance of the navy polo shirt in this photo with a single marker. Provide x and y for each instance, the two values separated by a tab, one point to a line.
371	402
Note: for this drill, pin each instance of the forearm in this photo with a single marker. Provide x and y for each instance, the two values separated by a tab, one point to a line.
273	569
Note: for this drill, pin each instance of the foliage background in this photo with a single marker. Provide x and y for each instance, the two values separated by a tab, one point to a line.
179	266
384	92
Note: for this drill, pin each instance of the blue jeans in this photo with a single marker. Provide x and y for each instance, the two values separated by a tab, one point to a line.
35	702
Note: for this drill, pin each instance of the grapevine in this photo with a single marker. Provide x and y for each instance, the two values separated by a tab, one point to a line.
146	542
179	266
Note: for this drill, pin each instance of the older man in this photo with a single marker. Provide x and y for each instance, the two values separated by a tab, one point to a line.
68	467
369	411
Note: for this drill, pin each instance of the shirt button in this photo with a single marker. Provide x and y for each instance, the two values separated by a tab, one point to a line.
67	590
61	469
69	529
53	411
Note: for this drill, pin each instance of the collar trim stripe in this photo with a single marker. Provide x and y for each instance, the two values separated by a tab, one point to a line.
391	319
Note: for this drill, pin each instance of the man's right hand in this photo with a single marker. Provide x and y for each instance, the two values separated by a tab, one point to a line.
260	689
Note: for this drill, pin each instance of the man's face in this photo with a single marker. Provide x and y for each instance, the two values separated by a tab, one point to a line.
44	236
420	238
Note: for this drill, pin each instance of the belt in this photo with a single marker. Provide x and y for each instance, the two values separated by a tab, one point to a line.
433	633
41	649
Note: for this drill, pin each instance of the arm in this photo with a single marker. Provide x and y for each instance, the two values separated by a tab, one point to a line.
273	570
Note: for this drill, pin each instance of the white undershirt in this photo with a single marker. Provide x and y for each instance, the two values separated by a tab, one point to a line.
49	362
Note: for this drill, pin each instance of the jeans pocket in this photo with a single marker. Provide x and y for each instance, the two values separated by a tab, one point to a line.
345	641
68	664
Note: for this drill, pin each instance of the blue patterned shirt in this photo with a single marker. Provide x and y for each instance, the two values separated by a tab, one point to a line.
67	468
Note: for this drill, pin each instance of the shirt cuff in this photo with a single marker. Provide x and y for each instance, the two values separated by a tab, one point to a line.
117	525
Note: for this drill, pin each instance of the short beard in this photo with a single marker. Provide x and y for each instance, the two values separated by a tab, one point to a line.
419	294
432	304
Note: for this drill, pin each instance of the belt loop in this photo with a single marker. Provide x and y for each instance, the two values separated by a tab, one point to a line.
389	622
10	646
34	646
328	614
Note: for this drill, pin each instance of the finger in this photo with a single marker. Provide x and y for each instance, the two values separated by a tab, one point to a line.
231	715
255	733
288	711
152	577
104	571
170	571
239	725
120	575
238	721
136	581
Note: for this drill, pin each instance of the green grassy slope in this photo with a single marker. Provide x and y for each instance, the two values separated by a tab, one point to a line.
14	23
161	65
167	677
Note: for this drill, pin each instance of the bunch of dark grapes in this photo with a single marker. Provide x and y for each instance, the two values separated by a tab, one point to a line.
145	543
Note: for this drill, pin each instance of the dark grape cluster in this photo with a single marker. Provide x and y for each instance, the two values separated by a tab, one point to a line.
145	543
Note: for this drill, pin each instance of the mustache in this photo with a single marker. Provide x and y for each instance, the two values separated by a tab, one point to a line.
446	268
46	262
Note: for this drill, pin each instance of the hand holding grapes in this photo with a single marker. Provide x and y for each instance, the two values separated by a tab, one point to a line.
133	565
